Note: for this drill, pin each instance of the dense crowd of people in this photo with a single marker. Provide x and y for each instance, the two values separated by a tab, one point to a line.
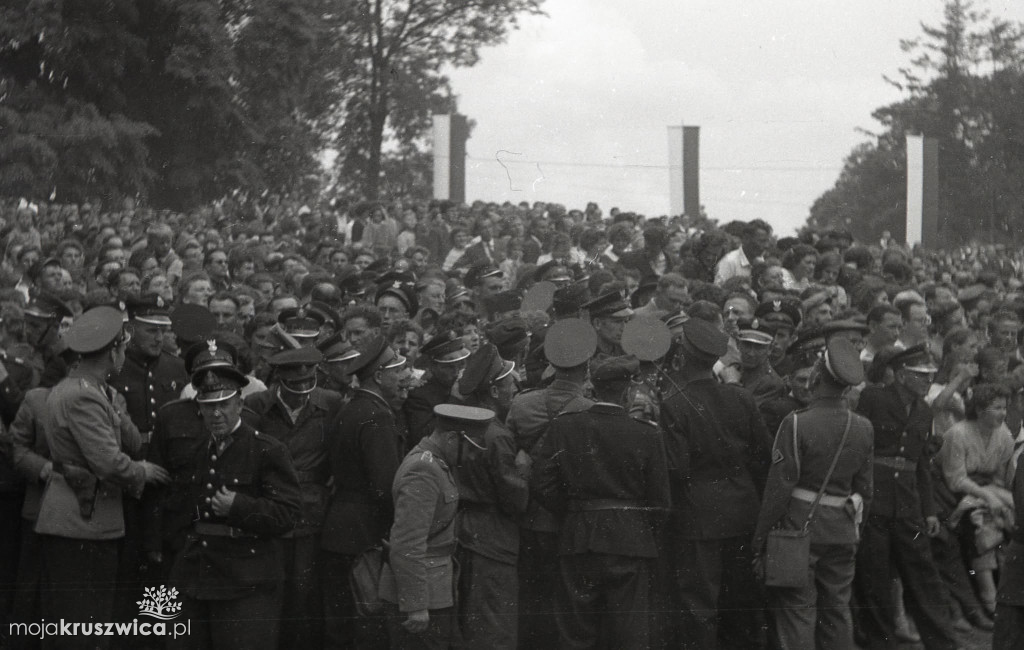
426	424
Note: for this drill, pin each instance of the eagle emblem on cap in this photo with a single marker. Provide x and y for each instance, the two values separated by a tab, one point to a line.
396	285
777	305
212	345
121	306
159	302
754	324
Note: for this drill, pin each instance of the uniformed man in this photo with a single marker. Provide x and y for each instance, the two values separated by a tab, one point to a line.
302	323
1009	630
295	411
245	495
608	315
334	372
718	455
568	346
492	495
781	317
419	578
756	373
895	542
149	379
604	475
446	356
364	456
81	519
810	439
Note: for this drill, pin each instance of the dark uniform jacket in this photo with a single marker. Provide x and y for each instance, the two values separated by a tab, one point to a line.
1011	572
177	440
775	410
491	495
420	573
419	409
148	384
764	387
243	553
363	455
605	476
718	457
805	464
528	418
307	442
900	493
21	376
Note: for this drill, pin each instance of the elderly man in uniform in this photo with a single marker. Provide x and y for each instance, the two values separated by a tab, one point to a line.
608	314
446	357
568	346
810	439
363	454
246	495
604	475
296	412
81	520
902	517
419	579
491	495
718	453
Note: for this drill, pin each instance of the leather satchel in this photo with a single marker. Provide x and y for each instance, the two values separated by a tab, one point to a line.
787	556
365	580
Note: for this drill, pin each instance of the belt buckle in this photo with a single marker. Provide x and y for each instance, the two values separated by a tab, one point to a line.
234	533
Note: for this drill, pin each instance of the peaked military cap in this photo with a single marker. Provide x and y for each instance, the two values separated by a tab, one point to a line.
609	369
94	330
470	421
703	338
149	308
483	367
405	292
753	331
217	385
192	323
915	359
301	322
478	272
609	304
502	302
329	313
844	325
784	310
375	354
539	297
445	347
213	355
508	332
455	294
569	343
337	348
307	356
552	271
47	306
842	362
674	321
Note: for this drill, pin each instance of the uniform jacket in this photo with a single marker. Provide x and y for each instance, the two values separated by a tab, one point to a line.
177	440
148	384
20	376
267	502
306	440
528	418
766	386
420	572
83	428
1011	572
900	494
363	455
819	431
603	454
718	456
419	409
31	454
492	495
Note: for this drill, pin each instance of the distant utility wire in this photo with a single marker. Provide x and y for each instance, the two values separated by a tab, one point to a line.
565	163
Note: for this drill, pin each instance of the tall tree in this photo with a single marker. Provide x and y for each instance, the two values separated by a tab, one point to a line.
962	87
396	79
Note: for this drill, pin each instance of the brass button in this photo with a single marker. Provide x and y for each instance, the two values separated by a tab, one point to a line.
204	544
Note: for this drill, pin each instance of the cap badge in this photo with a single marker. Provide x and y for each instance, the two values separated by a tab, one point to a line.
777	305
159	302
121	306
212	345
396	285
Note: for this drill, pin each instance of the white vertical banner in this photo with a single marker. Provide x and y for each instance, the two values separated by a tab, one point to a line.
915	188
675	171
442	156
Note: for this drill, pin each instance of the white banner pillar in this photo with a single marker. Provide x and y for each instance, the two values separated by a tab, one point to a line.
922	191
450	135
684	170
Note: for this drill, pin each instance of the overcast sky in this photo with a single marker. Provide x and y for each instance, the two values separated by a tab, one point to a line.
575	106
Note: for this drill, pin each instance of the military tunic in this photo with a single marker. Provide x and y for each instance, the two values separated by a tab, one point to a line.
818	615
420	573
605	476
363	455
1009	632
895	542
230	570
718	457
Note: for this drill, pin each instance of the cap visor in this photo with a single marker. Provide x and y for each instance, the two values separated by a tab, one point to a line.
218	396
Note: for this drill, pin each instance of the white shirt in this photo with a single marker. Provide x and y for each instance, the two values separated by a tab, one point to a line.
734	264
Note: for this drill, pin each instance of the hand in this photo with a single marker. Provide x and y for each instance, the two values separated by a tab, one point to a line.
759	567
524	464
44	474
222	502
933	526
156	557
154	473
417	622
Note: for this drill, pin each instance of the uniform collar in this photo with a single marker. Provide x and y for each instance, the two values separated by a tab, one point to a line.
371	394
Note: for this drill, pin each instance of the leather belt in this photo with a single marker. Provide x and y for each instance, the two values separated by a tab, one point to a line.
220	530
826	499
896	462
591	505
